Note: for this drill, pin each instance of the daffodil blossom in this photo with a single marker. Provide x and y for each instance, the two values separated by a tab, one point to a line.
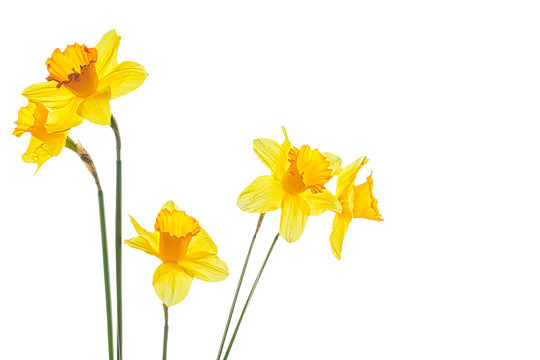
185	249
82	80
297	184
42	145
356	202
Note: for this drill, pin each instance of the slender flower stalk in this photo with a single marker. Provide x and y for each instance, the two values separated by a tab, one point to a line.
87	160
165	331
249	298
118	238
106	275
259	222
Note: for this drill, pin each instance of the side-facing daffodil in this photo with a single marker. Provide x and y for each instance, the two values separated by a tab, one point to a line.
297	184
42	145
185	249
356	202
82	80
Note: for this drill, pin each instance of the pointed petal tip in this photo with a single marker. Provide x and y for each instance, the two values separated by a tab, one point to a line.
336	255
170	205
284	131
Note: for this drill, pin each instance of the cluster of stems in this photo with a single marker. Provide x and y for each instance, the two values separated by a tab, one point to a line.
87	160
90	166
238	286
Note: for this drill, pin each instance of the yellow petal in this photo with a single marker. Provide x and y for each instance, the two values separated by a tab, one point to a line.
36	153
264	194
146	241
124	78
170	205
345	183
321	202
285	148
96	108
201	244
64	118
348	175
364	203
335	163
339	229
205	267
293	217
107	49
171	283
26	119
49	95
286	145
269	152
55	145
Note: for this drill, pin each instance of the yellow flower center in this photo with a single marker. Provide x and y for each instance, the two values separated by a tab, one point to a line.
172	248
75	69
176	229
308	169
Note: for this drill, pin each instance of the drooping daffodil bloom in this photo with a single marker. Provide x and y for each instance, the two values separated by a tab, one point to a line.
82	80
356	202
297	184
42	146
185	249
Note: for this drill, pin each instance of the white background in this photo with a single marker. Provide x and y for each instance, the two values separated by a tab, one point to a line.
442	96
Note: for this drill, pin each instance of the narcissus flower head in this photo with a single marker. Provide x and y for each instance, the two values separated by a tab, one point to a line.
81	82
356	202
297	184
185	249
43	146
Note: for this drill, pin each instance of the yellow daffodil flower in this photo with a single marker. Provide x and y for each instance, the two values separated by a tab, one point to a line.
356	202
186	250
296	184
82	80
43	146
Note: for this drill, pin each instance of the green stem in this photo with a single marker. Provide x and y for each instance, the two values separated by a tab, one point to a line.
71	145
106	274
261	217
118	239
89	164
165	331
249	298
118	248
